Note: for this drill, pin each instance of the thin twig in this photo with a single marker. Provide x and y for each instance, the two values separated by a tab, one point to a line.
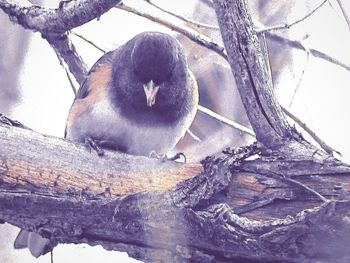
323	145
288	26
301	75
316	53
60	59
189	32
195	137
321	197
88	41
270	35
345	14
208	3
225	120
185	19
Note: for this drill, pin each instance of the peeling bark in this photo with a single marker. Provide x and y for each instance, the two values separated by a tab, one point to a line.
278	200
234	207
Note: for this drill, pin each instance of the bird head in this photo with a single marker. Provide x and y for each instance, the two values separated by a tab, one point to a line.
154	57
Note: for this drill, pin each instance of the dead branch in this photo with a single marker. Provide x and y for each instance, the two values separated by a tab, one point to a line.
251	74
192	34
316	53
65	49
297	21
219	211
68	15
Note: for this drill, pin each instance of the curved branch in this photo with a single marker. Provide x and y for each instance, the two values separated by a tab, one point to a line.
251	74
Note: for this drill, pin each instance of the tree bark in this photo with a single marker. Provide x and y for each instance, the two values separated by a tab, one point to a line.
251	73
278	200
219	211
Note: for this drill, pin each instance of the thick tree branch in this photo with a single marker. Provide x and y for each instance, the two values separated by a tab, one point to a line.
158	210
54	23
68	15
67	167
250	72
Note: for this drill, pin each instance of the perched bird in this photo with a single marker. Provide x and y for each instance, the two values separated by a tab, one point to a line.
138	99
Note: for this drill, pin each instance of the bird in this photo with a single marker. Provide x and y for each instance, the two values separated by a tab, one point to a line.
139	99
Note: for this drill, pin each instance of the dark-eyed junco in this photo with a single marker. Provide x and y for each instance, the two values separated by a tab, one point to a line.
140	98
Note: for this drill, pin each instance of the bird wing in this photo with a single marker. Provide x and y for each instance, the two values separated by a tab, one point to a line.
93	89
85	88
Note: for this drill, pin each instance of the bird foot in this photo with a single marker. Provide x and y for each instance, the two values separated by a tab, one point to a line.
91	144
178	156
10	122
164	157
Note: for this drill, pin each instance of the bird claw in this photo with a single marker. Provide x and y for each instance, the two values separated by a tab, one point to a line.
178	156
155	155
10	122
164	157
91	144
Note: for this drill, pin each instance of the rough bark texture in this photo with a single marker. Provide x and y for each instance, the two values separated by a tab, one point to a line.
251	74
68	15
239	206
279	200
64	48
66	167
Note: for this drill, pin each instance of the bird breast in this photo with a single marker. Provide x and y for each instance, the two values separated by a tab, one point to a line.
105	121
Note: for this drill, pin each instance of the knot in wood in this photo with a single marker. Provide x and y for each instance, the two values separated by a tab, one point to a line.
132	227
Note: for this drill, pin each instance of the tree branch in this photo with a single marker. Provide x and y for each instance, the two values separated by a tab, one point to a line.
314	52
250	72
192	34
344	12
185	19
174	212
65	49
67	167
68	15
297	21
226	121
313	135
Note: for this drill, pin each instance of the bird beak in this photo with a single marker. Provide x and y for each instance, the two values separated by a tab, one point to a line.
151	91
